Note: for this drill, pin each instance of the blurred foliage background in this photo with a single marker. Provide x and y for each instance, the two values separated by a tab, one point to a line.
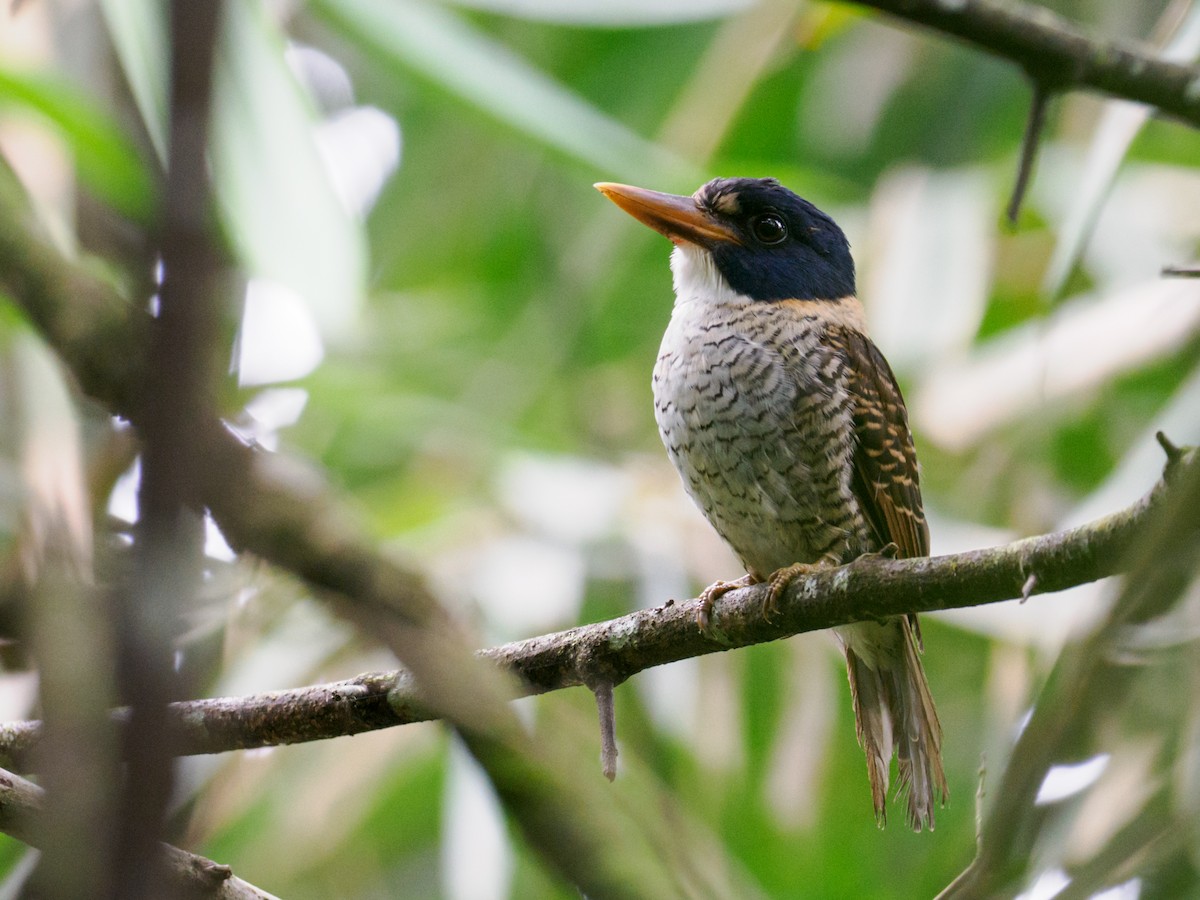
441	312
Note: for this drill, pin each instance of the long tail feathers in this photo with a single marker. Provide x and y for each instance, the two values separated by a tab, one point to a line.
893	710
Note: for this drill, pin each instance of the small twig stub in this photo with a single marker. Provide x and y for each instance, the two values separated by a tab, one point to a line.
1029	587
608	729
1034	127
1192	271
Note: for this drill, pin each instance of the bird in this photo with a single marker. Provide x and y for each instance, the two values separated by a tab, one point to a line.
789	431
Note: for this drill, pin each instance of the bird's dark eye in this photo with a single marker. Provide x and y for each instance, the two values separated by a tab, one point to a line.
769	228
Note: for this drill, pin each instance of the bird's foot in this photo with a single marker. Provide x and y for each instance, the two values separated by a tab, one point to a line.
715	592
781	578
890	550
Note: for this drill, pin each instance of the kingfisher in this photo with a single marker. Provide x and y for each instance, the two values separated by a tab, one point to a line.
789	431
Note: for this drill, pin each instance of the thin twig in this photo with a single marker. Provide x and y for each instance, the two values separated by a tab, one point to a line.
1029	148
1173	452
1192	271
1028	587
608	729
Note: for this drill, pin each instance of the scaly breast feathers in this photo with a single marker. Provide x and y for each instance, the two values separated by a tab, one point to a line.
756	416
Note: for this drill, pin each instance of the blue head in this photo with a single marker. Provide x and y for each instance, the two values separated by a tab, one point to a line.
768	243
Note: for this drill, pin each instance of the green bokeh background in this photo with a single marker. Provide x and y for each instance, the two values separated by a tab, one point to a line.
502	314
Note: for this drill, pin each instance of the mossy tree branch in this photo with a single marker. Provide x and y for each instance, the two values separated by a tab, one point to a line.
620	648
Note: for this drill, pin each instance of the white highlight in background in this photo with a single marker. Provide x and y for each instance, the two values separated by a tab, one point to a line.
361	150
476	859
279	340
1063	781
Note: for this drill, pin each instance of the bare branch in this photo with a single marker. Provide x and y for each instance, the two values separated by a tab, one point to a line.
870	588
185	874
1056	53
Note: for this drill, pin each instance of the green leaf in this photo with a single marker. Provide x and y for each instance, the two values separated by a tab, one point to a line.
105	159
413	37
612	13
138	31
276	198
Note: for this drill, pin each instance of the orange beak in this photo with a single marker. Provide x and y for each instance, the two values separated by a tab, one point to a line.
678	218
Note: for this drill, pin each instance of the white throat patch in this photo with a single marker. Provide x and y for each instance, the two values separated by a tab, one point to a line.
697	278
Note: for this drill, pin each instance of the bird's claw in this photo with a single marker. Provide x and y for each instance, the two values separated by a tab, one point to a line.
778	583
714	592
890	550
781	578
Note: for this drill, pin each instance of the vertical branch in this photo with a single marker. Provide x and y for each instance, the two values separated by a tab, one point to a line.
1029	147
608	729
169	533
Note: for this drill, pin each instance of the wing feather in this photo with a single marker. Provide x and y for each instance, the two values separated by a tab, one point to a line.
886	482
